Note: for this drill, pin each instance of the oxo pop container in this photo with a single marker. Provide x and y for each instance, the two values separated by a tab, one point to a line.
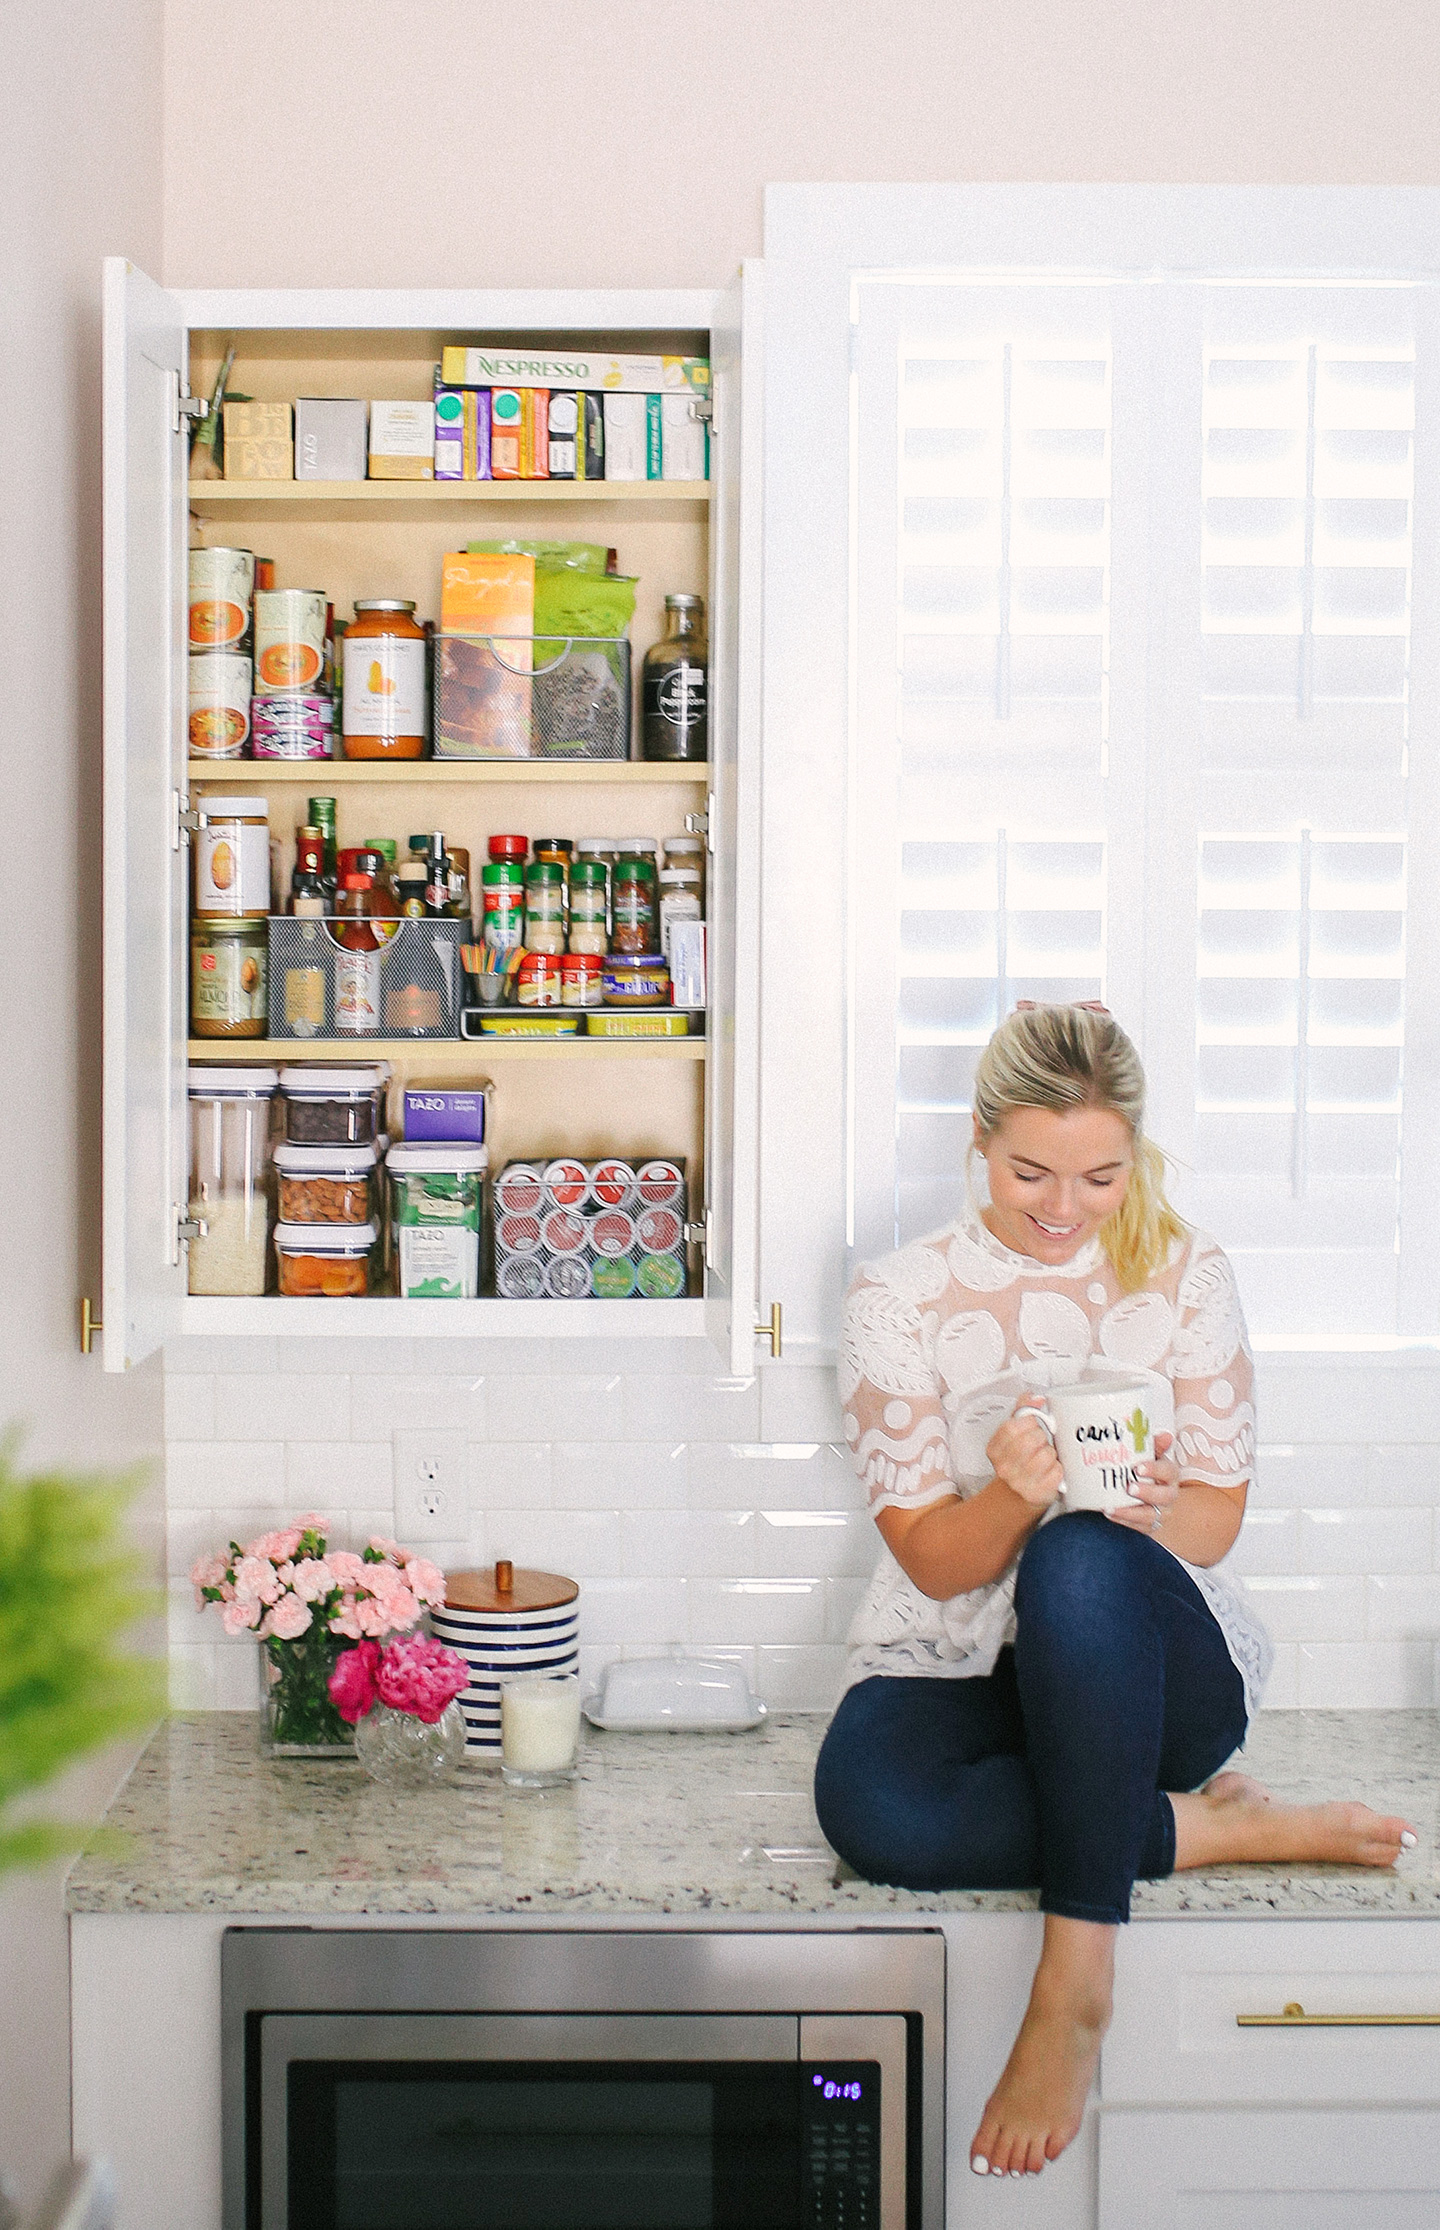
435	1207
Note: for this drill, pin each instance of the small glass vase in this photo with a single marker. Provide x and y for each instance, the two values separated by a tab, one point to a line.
297	1717
404	1752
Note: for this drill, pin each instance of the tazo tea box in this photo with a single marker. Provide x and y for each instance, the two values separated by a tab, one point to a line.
506	412
564	430
622	375
625	417
257	442
684	451
330	438
402	441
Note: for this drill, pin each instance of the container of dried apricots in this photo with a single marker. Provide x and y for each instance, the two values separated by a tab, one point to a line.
324	1261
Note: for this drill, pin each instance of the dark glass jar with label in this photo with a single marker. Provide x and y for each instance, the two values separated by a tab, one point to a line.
674	688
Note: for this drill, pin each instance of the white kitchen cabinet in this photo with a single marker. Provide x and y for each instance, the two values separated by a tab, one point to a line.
1270	2170
689	1096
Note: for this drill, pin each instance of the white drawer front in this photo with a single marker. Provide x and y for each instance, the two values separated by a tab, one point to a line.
1179	1987
1268	2170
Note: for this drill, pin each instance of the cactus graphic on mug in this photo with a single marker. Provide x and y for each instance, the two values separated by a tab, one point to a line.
1137	1424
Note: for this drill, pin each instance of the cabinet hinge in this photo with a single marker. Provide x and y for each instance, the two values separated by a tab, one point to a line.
184	820
703	408
702	824
186	410
184	1226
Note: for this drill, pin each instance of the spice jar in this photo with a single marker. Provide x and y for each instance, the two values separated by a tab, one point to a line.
229	962
636	982
232	858
633	927
679	901
229	1148
580	984
540	981
509	848
384	681
502	898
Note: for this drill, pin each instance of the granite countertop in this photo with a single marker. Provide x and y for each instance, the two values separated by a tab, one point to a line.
678	1824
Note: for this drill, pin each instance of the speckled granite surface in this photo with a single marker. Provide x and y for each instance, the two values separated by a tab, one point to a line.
682	1824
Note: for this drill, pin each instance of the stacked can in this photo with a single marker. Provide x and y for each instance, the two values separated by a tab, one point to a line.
222	584
291	717
609	1230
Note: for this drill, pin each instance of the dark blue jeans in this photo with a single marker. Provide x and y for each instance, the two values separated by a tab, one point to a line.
1052	1770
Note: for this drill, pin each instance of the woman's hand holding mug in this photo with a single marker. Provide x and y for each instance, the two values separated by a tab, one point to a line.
1157	1488
1096	1445
1022	1456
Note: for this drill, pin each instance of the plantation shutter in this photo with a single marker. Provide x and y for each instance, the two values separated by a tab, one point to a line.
1105	529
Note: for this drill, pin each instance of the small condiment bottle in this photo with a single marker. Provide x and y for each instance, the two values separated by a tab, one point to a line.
540	983
679	900
410	888
580	980
509	848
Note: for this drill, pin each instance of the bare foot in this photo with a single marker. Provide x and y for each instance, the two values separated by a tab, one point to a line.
1039	2102
1225	1823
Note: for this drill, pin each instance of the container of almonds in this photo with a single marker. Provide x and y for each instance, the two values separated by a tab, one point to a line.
328	1184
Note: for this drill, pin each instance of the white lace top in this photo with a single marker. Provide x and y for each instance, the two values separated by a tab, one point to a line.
937	1346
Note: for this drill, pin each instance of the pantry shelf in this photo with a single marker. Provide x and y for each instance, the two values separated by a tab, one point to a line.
384	1316
442	1052
314	773
418	499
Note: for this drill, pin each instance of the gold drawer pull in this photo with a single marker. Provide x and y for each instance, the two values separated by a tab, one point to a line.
1295	2017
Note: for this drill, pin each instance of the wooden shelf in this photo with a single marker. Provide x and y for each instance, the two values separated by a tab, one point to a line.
444	1052
320	773
437	498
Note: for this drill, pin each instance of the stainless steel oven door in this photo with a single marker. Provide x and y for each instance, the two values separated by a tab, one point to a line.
525	2121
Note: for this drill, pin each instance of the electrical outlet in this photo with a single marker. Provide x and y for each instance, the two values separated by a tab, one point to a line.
430	1491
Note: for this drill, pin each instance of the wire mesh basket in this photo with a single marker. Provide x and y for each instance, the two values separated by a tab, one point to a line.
531	697
421	978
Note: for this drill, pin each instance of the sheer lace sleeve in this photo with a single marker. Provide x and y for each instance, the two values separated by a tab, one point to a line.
1213	1374
890	1390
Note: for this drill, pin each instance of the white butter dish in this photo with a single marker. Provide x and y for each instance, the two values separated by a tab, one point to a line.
674	1695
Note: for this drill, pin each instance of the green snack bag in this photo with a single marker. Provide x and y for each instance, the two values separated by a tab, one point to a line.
570	557
584	605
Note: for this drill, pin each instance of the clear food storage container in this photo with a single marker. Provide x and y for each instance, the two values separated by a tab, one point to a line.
229	1155
342	1106
435	1196
326	1261
327	1184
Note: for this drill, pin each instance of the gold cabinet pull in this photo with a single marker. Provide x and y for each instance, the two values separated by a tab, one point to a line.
90	1324
771	1331
1295	2017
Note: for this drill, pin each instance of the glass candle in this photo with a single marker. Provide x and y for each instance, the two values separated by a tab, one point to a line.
539	1729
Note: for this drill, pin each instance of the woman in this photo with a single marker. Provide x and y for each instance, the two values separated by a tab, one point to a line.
1024	1694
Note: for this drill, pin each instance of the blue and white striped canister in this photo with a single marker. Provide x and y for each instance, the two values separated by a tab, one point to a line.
505	1621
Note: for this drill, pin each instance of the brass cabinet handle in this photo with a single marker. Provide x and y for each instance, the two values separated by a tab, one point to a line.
771	1331
1295	2017
90	1324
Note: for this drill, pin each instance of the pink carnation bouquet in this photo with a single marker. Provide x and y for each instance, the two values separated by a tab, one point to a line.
293	1593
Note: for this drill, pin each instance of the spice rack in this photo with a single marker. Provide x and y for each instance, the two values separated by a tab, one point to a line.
361	539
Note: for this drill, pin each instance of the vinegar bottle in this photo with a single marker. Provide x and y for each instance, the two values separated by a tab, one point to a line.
673	692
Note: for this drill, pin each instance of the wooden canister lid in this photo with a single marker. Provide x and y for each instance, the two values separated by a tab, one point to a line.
506	1587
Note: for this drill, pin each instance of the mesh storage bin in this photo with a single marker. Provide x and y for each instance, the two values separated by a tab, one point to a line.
421	978
523	697
612	1229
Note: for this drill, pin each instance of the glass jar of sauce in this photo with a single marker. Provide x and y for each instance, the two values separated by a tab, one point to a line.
384	695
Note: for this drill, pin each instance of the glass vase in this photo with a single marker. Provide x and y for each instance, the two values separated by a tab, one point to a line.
297	1717
404	1752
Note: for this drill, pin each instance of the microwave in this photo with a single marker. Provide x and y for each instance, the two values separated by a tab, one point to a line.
516	2079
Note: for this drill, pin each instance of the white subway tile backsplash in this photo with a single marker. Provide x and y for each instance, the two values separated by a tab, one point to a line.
799	1403
192	1678
216	1474
649	1357
279	1408
381	1406
190	1407
186	1625
1402	1474
800	1679
583	1406
1268	1541
816	1544
509	1474
1287	1474
205	1353
1365	1676
1310	1609
237	1679
701	1544
691	1408
324	1357
581	1545
1282	1690
842	1600
637	1614
770	1475
189	1534
343	1475
1365	1540
620	1474
765	1611
1399	1606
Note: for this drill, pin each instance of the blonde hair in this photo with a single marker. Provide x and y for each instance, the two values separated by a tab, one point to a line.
1063	1057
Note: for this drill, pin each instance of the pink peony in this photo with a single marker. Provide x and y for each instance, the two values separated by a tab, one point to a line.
420	1676
238	1618
352	1684
289	1619
255	1580
425	1581
348	1568
312	1578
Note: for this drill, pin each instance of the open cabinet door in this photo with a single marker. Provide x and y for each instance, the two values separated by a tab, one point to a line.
734	909
145	467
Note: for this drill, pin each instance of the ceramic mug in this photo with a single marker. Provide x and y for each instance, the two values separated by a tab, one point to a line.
1102	1432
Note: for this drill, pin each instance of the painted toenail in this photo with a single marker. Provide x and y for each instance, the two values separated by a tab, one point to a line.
1017	2171
980	2166
997	2171
1408	1841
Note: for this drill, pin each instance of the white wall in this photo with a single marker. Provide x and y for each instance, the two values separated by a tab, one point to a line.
80	158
